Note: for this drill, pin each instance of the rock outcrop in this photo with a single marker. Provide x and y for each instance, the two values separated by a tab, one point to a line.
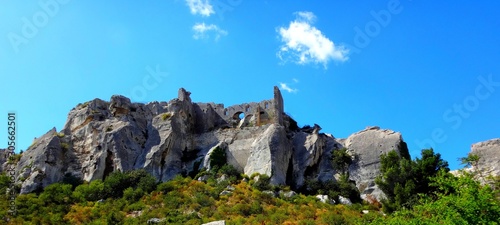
220	222
489	156
177	137
366	147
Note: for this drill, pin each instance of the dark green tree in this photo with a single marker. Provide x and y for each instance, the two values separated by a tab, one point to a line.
460	200
402	180
426	168
115	184
341	160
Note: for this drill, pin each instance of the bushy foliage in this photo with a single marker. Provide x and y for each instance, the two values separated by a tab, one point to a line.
341	160
182	200
218	158
263	183
90	192
459	200
117	182
402	180
4	183
334	189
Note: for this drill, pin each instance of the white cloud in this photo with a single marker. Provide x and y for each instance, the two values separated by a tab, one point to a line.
201	31
201	7
284	86
306	16
304	43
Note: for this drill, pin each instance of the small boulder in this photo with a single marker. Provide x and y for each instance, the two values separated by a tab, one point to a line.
288	194
325	199
220	222
344	201
203	178
271	193
222	178
155	220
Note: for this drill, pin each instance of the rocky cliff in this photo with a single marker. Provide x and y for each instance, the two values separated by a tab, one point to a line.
489	156
176	137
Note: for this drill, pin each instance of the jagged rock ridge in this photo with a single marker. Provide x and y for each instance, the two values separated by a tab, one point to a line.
175	137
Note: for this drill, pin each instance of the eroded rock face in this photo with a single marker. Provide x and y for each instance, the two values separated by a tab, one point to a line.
42	164
164	138
270	154
366	148
489	156
308	150
177	137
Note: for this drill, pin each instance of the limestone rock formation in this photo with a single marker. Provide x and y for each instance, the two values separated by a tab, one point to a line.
164	138
366	147
489	156
177	137
43	163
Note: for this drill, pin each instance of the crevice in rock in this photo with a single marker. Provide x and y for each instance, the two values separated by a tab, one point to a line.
108	167
289	180
163	156
310	171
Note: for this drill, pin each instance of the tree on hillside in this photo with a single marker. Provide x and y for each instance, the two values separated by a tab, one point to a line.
402	179
341	161
460	200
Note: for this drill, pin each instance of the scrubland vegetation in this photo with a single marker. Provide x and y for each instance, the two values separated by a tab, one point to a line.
419	191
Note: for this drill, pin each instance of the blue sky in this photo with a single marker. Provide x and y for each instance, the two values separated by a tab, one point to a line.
426	69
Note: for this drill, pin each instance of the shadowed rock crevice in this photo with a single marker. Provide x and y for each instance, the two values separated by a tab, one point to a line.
109	165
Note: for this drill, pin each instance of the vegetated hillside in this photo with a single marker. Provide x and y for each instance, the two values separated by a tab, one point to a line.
180	162
222	193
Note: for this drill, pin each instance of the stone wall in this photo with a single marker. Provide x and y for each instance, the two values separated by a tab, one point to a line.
248	114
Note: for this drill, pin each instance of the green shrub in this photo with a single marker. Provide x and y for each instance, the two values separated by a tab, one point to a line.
166	187
133	195
15	158
263	183
166	116
117	182
341	160
57	194
64	146
217	158
93	191
4	183
230	171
